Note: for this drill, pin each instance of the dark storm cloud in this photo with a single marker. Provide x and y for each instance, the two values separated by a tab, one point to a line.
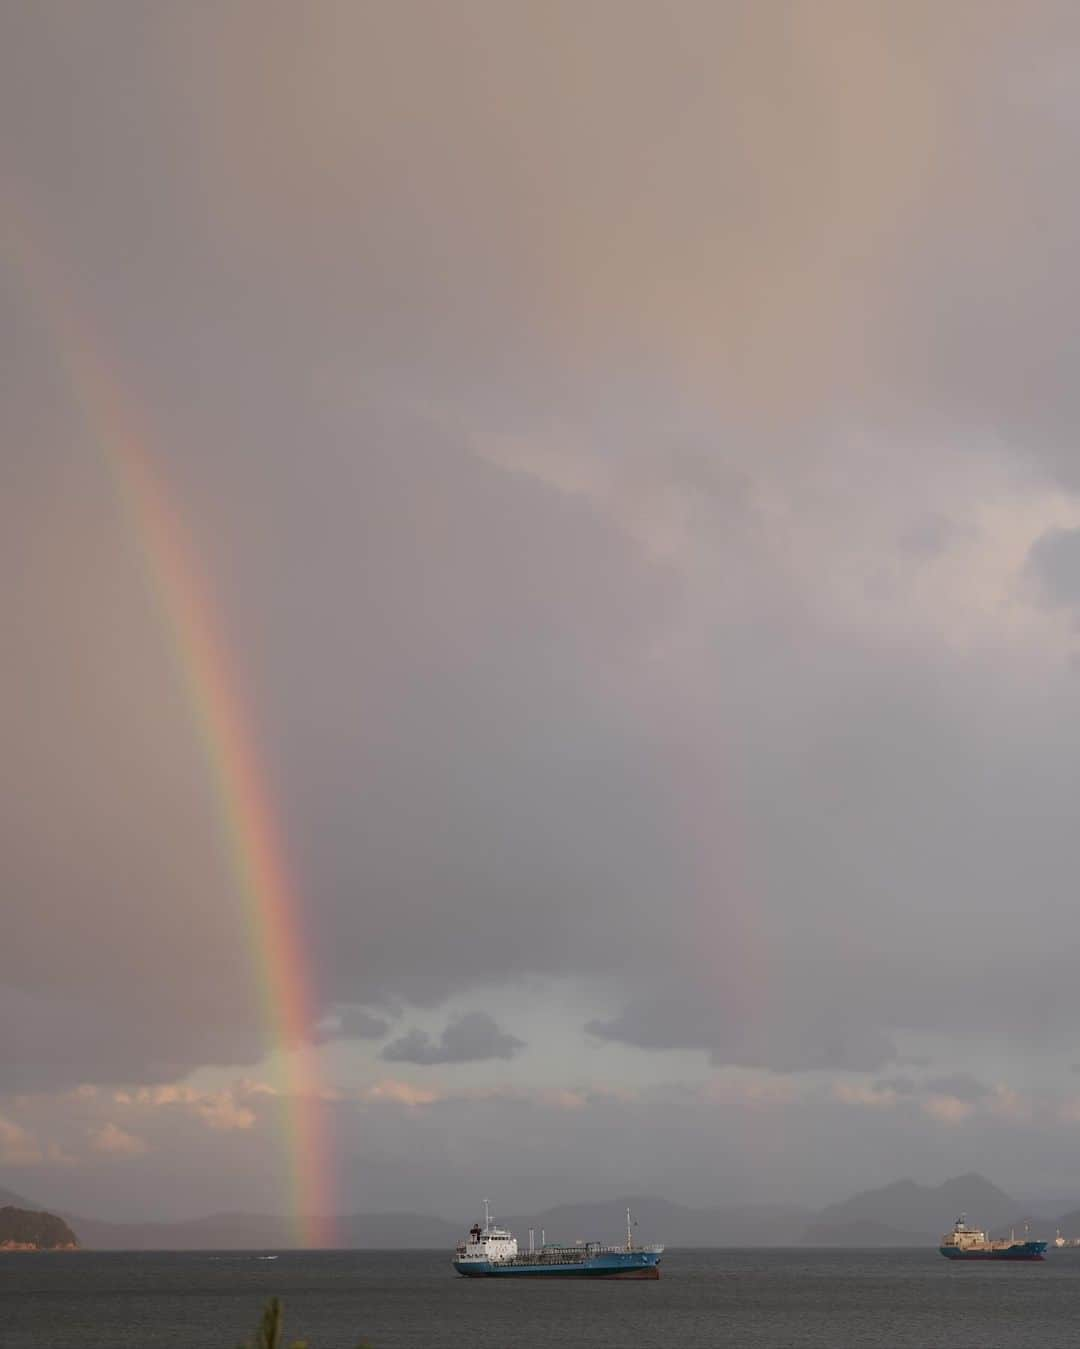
469	1038
618	502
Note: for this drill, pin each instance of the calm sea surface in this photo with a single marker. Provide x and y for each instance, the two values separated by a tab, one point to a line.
743	1299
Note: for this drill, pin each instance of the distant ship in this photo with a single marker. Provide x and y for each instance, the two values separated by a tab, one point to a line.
492	1250
970	1243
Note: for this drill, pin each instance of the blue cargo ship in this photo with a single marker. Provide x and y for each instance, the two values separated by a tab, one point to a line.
971	1243
492	1251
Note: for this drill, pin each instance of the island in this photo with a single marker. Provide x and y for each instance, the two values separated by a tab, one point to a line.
24	1229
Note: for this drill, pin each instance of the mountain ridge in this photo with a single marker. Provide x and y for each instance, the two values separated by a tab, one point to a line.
24	1229
906	1213
902	1213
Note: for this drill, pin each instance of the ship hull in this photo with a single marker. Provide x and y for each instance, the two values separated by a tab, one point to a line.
630	1266
1023	1250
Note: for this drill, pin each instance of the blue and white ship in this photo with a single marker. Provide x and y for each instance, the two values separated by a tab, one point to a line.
971	1243
493	1251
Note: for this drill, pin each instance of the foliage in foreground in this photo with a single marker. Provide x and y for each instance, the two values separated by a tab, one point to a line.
270	1334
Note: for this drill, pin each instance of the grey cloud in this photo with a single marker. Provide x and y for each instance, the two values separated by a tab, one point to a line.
1055	562
359	1024
903	1086
54	1038
830	1151
927	537
961	1085
470	1038
587	1148
641	715
813	1042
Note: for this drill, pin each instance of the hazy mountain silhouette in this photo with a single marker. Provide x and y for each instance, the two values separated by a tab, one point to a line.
22	1228
664	1221
905	1213
657	1220
1068	1225
901	1214
1035	1225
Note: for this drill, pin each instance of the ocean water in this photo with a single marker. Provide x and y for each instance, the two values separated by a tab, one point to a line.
746	1299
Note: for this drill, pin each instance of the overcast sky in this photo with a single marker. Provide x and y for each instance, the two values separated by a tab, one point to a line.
633	451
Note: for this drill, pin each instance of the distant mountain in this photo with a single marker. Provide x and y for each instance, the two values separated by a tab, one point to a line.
657	1220
901	1214
667	1222
861	1232
24	1229
905	1213
398	1231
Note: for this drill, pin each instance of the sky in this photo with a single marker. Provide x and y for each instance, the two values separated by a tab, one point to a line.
629	456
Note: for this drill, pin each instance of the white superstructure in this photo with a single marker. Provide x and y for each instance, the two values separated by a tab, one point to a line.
965	1238
488	1244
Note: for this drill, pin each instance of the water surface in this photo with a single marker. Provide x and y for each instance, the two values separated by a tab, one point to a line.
412	1300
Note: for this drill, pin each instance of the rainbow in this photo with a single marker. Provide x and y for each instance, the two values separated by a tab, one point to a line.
272	904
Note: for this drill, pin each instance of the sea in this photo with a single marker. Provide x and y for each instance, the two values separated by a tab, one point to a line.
746	1299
